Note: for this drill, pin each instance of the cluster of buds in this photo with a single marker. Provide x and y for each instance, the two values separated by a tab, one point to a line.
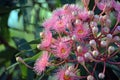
80	32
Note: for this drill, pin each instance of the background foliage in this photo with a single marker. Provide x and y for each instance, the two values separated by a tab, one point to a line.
20	24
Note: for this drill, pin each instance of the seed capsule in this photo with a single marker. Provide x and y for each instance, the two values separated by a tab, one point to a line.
101	75
111	49
79	49
96	18
90	77
95	53
95	31
106	30
93	43
88	55
103	43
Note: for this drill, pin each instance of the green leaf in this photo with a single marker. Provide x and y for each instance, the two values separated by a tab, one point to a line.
114	71
4	10
26	49
23	70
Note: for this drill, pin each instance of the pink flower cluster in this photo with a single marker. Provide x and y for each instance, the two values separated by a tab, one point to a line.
76	31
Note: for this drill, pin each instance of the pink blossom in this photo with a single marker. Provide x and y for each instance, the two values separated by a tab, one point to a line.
60	25
62	50
118	16
59	20
58	12
71	12
81	31
105	4
62	76
48	23
47	39
68	9
83	14
116	6
41	63
101	5
61	17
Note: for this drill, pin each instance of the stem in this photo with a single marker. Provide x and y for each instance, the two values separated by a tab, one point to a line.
103	10
76	67
27	65
100	36
19	59
58	63
104	67
94	68
59	35
115	27
118	44
91	32
113	54
15	64
94	7
81	77
86	68
95	60
71	60
116	63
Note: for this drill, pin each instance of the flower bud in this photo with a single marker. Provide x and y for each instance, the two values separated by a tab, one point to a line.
101	75
117	30
93	43
111	49
106	30
116	38
79	49
95	31
95	53
19	59
80	59
96	18
88	55
91	14
41	34
90	77
38	46
103	43
71	68
109	36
